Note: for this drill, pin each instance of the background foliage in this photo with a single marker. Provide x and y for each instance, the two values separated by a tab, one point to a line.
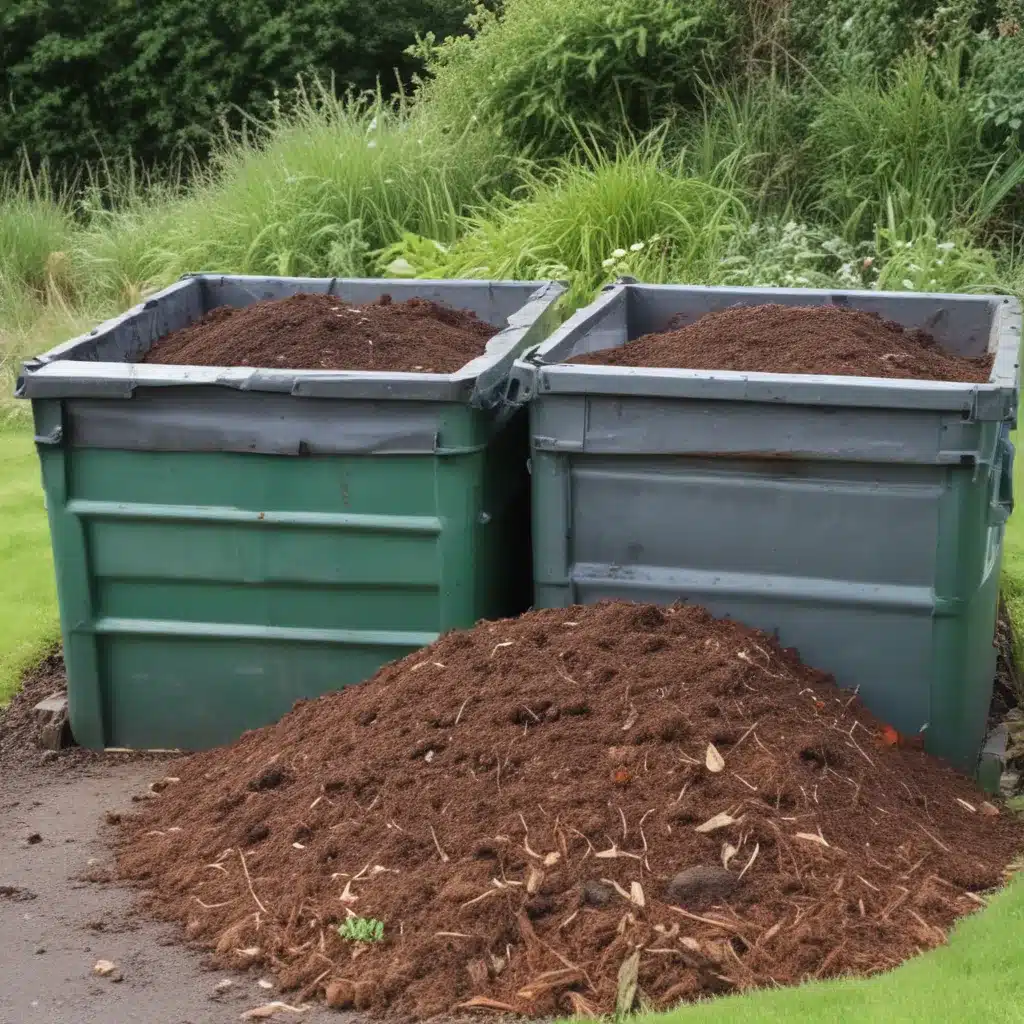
81	80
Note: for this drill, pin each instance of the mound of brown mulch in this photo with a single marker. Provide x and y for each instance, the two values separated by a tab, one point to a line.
797	339
320	332
542	811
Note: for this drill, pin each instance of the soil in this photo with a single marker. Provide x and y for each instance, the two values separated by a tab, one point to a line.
797	339
59	911
320	332
536	809
19	724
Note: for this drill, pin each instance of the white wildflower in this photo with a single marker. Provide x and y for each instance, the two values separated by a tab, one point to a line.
636	247
946	246
618	253
608	263
908	284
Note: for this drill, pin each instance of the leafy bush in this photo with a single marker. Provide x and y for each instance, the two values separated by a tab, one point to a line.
997	73
115	77
541	68
770	254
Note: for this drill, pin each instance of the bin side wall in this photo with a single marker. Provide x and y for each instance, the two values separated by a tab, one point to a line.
202	593
879	572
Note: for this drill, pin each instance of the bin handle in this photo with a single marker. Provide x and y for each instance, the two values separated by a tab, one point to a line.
1002	503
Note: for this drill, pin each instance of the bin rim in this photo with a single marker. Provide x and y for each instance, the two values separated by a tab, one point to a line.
536	374
58	374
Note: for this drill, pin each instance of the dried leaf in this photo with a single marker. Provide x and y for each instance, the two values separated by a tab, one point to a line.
728	852
813	837
268	1010
631	719
533	880
629	974
713	760
691	944
718	821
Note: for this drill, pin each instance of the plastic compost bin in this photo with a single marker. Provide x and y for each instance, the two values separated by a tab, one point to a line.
859	519
227	541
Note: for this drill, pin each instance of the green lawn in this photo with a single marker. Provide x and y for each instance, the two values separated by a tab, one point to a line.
977	977
28	602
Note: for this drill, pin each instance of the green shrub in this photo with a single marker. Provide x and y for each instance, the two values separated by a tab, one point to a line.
770	254
118	77
541	70
997	75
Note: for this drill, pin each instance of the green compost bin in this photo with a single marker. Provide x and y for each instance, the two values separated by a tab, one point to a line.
230	540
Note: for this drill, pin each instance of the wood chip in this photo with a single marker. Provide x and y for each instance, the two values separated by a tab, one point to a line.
636	895
483	1003
967	806
713	760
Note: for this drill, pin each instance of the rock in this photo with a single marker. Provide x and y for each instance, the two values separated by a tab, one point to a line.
700	886
53	731
34	838
341	995
223	986
597	894
40	950
107	969
48	756
989	810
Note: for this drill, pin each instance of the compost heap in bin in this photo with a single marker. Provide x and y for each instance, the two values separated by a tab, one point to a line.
573	811
797	339
321	332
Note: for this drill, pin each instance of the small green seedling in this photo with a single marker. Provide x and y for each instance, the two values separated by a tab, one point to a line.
362	929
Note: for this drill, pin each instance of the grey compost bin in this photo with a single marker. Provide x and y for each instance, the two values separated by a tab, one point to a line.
229	540
860	519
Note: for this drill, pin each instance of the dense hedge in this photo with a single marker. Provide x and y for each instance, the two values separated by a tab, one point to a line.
111	77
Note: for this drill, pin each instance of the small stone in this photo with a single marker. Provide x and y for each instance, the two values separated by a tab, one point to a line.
40	950
597	894
700	886
264	984
989	810
48	756
34	839
341	995
105	968
222	986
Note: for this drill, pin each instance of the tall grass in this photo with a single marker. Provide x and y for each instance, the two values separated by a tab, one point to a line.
314	192
596	213
35	221
910	145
